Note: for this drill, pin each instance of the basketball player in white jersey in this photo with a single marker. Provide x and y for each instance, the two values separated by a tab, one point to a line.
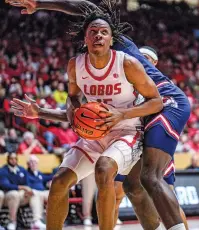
103	75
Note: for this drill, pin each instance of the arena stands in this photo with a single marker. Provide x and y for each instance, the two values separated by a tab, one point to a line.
34	52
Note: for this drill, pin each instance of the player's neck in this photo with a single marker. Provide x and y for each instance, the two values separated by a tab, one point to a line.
99	62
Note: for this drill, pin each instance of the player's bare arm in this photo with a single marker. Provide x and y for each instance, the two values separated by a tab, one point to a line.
73	89
137	76
72	7
74	101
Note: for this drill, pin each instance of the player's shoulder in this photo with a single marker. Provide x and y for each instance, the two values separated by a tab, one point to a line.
72	63
123	56
130	61
119	52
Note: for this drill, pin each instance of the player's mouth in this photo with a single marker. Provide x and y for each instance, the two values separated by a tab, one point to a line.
98	44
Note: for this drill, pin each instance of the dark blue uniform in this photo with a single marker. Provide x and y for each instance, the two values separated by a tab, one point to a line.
162	130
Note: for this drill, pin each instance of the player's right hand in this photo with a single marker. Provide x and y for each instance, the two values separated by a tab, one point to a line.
28	109
70	117
30	5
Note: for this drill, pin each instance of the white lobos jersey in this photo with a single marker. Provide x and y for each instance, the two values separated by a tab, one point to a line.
108	85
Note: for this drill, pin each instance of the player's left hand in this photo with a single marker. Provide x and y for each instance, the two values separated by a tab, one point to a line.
110	117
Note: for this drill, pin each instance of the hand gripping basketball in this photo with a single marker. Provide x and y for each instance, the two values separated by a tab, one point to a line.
85	121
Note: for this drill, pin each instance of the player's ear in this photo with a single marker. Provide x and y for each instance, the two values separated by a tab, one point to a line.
111	43
155	63
85	41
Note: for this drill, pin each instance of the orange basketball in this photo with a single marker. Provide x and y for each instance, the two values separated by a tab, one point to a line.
84	121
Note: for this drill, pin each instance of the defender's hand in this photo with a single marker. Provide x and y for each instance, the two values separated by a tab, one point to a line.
110	117
30	5
28	109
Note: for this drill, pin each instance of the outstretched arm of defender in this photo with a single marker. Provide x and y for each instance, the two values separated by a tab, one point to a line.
73	7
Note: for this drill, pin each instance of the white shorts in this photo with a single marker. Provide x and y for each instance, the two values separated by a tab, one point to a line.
123	146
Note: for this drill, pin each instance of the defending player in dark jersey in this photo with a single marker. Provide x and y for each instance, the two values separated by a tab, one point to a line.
169	175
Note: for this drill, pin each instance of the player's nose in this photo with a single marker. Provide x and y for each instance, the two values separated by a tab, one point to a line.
98	35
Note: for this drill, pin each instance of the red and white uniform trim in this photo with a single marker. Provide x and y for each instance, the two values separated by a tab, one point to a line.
166	124
131	144
84	152
170	168
162	83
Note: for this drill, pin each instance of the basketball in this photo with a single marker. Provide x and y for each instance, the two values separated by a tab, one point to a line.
84	121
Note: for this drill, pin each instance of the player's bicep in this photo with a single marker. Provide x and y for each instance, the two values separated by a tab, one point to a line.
73	88
136	75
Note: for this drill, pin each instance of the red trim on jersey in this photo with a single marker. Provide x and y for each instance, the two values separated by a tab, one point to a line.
166	124
162	83
84	152
131	144
170	168
100	78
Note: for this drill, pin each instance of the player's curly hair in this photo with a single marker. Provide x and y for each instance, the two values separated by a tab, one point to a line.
109	12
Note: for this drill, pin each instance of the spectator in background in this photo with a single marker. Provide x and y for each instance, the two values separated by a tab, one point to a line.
1	204
89	188
60	95
1	199
42	90
12	141
15	87
14	182
193	143
30	145
2	139
29	87
182	144
37	182
64	134
194	162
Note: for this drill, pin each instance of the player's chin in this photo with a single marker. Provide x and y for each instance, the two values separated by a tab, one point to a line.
98	50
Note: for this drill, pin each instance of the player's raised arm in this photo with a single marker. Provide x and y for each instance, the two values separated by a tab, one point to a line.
137	76
72	7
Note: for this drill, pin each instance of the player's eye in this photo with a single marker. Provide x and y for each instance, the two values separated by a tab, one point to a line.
104	32
93	32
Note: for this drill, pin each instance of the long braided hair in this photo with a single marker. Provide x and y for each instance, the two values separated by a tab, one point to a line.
108	11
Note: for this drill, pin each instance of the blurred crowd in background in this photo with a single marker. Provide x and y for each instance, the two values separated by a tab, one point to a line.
34	52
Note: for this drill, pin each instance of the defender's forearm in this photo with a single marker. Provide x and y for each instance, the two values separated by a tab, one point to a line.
53	115
149	107
72	7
